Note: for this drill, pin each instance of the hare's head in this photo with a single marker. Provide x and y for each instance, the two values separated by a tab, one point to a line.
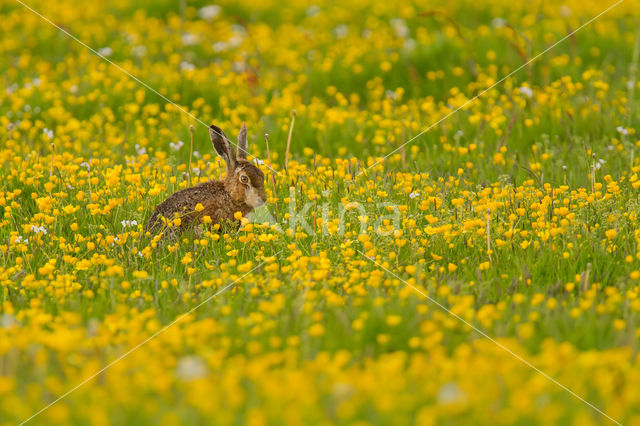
244	181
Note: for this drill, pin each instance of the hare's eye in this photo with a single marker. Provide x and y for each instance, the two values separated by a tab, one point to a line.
244	179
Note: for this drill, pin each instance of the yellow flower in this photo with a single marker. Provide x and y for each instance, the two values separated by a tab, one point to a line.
619	324
526	330
316	330
393	320
69	209
140	274
245	267
383	339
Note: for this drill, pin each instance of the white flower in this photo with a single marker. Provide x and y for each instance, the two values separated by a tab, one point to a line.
187	66
341	31
196	154
189	39
139	51
390	94
259	162
131	38
191	368
176	145
527	91
208	13
20	239
39	230
105	51
238	29
239	66
622	130
48	133
499	23
141	150
414	194
410	45
7	320
126	223
236	40
12	88
450	393
312	11
400	27
220	46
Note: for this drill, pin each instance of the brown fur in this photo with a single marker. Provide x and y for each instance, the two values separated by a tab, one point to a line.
220	199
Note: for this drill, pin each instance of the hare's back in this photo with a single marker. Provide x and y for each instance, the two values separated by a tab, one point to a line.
186	200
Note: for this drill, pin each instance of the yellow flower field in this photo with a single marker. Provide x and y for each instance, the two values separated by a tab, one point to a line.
444	241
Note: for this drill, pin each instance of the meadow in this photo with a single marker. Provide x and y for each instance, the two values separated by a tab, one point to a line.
382	283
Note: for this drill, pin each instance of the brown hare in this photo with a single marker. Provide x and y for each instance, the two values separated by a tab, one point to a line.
242	190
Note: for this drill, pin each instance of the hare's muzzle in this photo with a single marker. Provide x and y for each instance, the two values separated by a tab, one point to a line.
254	197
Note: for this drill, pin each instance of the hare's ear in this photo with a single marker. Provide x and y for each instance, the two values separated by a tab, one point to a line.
222	146
242	143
